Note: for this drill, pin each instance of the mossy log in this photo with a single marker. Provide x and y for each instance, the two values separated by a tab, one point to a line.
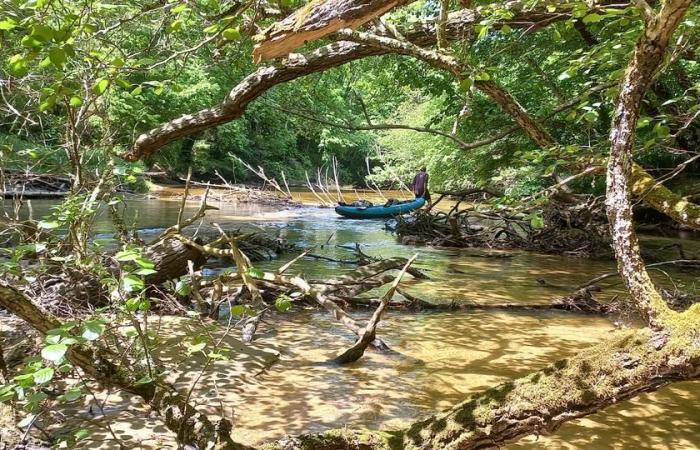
664	200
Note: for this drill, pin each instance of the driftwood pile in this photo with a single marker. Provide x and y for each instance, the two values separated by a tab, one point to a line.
16	183
561	229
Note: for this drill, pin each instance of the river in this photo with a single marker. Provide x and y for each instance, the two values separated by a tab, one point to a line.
282	384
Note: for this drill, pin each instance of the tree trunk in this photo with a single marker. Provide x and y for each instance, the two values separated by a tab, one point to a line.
170	257
647	57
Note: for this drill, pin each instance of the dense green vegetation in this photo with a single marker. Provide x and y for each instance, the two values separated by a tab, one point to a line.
116	70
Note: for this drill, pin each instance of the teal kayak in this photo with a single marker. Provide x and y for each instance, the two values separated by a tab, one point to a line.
379	211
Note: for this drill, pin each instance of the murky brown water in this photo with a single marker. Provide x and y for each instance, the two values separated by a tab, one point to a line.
282	385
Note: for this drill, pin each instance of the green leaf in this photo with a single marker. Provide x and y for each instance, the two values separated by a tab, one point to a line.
143	380
101	86
144	263
57	56
18	65
283	303
238	310
132	283
44	375
132	304
661	130
211	29
255	272
643	122
126	255
31	42
47	103
65	368
7	24
92	330
75	101
482	76
54	352
49	225
566	74
182	288
7	392
26	421
196	347
82	434
42	32
465	85
145	272
592	18
231	34
537	222
70	395
25	381
174	26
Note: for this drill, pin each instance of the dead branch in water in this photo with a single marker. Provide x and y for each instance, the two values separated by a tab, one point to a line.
260	173
369	333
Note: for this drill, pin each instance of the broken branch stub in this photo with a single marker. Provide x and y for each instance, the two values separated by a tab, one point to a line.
316	20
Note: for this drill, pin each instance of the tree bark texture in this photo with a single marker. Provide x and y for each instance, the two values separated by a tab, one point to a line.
648	55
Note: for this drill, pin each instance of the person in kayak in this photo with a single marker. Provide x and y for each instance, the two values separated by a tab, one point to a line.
420	185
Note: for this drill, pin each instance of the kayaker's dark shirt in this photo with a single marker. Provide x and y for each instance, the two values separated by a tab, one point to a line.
420	184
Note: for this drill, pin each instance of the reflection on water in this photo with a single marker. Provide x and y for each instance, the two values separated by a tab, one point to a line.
282	384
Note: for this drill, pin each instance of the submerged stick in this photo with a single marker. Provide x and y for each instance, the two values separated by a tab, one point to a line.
370	331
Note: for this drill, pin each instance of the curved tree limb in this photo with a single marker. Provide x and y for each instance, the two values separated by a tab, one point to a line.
323	58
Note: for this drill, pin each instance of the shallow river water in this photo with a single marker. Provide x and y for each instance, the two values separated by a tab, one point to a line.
283	385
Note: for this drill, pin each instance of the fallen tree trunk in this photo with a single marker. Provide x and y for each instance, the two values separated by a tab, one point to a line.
580	301
170	257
